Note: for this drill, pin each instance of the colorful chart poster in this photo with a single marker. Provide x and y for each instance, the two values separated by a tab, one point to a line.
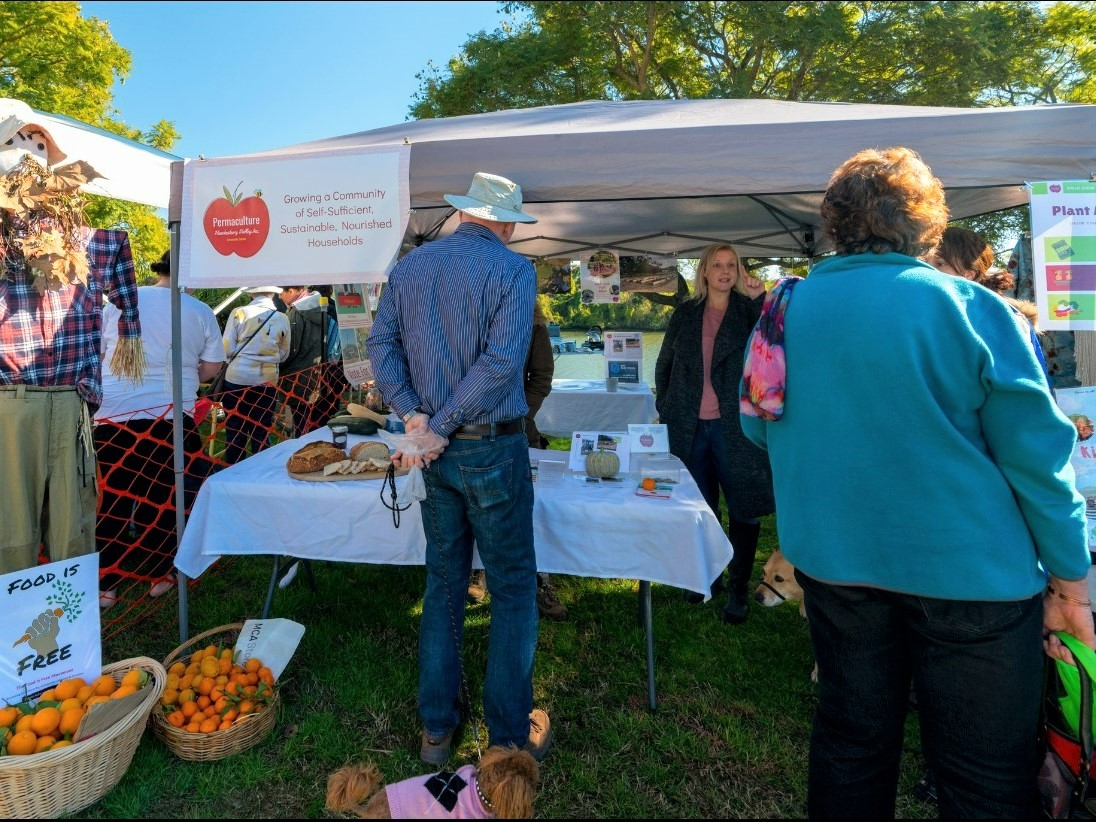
1063	251
51	626
600	277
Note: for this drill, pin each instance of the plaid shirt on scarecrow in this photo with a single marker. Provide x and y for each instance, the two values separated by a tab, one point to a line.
55	339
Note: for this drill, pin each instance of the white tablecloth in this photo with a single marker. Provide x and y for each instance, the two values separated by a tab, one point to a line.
585	405
254	507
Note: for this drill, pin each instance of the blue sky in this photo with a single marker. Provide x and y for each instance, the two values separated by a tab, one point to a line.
240	77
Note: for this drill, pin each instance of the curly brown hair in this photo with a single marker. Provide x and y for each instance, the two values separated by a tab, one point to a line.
969	253
884	200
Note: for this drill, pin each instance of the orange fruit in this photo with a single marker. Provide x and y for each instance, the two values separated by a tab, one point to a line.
68	688
84	693
210	666
224	665
71	702
176	719
23	723
70	721
206	685
49	696
104	685
225	725
177	668
132	678
203	702
123	690
253	665
45	721
247	707
8	715
187	695
95	700
44	743
189	708
648	484
23	743
208	726
192	728
61	743
169	697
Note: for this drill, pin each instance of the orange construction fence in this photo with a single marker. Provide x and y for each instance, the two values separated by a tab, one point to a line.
136	525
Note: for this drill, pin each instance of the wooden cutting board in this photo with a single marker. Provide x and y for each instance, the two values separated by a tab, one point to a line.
317	476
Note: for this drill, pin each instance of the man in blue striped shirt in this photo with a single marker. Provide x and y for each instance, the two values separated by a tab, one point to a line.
448	348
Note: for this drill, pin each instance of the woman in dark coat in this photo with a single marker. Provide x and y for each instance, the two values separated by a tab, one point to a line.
696	389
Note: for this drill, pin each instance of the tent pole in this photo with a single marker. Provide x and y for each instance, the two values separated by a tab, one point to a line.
177	420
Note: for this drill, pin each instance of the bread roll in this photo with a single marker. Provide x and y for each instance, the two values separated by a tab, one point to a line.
314	457
364	451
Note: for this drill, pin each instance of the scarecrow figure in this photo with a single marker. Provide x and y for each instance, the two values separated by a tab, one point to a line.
54	275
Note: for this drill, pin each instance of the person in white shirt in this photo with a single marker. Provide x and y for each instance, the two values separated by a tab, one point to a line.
133	436
256	340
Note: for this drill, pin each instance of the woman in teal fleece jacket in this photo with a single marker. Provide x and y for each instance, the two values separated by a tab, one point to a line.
924	493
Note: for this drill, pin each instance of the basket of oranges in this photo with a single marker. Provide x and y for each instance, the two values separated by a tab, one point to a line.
212	705
46	768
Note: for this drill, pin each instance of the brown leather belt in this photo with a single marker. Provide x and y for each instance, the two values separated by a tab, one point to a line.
489	431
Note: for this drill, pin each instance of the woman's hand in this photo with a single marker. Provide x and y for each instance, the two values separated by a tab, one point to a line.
1066	608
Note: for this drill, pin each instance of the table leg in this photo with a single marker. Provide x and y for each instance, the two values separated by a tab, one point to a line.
648	628
272	586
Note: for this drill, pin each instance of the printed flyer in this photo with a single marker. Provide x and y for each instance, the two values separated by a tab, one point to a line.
624	355
1079	404
600	278
354	307
586	442
51	626
1063	254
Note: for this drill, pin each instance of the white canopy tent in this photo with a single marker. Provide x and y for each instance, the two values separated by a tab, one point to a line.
670	176
131	171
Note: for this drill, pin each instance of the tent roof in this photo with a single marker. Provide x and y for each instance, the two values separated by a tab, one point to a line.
670	176
131	171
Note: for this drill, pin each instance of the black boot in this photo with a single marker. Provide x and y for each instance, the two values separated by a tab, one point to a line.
743	538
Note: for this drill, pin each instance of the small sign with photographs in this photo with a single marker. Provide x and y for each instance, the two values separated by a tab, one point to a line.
586	442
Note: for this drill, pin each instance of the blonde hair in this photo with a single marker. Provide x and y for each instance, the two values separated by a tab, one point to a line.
881	201
700	286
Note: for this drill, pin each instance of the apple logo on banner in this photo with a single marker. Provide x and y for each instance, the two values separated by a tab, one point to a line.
1057	189
235	224
646	440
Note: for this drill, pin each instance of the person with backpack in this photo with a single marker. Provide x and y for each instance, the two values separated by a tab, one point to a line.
311	332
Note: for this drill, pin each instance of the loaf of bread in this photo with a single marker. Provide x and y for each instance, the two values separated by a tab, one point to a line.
313	457
364	451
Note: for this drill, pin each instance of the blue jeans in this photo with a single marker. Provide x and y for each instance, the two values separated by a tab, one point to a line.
710	465
479	491
977	669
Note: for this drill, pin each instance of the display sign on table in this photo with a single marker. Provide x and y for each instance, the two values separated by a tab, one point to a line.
586	442
1063	253
328	217
51	626
648	439
624	355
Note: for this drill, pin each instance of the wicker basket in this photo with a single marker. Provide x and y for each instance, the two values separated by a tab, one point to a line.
245	732
52	783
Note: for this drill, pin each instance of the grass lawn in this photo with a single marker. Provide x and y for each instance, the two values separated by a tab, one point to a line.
728	740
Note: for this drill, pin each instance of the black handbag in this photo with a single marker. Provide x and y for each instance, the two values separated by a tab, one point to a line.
217	384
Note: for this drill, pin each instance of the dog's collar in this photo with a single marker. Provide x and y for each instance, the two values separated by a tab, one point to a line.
771	588
479	792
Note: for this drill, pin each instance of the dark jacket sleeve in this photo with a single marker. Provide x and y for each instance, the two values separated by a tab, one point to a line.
664	365
539	369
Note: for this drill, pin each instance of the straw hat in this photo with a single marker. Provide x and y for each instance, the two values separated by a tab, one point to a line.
263	289
491	197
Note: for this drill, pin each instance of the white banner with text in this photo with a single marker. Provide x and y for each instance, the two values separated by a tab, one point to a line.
321	218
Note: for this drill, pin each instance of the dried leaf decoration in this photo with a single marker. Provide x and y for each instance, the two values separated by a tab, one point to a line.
42	220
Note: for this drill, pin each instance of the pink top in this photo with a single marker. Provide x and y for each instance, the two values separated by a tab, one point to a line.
709	402
444	795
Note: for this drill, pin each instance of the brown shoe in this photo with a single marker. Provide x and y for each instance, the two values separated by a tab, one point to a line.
540	734
435	750
477	586
548	604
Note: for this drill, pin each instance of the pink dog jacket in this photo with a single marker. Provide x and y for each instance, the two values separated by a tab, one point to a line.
444	795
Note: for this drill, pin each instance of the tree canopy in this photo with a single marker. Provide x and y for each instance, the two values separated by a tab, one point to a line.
913	53
57	61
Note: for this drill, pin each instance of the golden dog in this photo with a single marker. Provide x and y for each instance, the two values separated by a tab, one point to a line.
503	786
778	584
